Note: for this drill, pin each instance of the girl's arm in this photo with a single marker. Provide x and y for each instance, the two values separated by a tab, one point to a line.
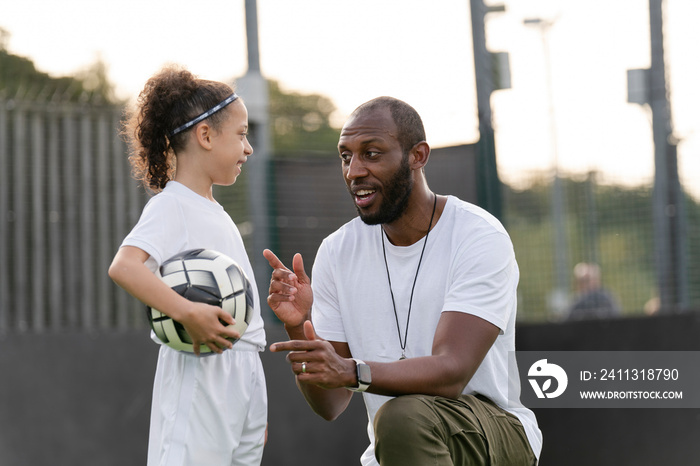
201	321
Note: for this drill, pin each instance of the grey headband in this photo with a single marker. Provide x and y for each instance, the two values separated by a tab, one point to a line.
204	115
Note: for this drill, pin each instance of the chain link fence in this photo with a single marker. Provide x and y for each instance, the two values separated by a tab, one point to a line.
604	221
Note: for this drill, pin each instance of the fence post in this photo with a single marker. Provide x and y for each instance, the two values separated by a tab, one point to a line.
36	253
19	272
103	309
86	248
71	277
56	238
120	179
4	220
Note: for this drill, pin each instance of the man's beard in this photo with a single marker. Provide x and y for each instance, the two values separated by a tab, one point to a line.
394	197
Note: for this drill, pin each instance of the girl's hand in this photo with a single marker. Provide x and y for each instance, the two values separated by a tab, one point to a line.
208	325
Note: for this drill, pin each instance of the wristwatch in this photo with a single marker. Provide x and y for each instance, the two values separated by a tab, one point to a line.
364	376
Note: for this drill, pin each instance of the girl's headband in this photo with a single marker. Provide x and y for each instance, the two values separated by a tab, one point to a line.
204	115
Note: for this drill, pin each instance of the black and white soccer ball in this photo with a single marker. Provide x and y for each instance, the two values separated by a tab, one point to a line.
206	276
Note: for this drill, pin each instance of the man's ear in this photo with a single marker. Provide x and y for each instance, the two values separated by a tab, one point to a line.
203	135
420	154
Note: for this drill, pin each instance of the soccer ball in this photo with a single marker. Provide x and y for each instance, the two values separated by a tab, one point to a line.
205	276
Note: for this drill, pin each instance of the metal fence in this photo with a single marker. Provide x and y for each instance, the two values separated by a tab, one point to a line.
67	200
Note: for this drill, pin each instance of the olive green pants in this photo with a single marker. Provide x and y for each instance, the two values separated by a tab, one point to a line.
421	430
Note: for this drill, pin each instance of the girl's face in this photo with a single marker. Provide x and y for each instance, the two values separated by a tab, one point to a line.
231	148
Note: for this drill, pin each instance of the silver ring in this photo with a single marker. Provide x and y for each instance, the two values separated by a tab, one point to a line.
303	368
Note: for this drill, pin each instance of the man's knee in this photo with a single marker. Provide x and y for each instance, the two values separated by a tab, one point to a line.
419	430
404	419
405	432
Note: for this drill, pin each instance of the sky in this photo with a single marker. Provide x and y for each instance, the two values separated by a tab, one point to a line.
417	50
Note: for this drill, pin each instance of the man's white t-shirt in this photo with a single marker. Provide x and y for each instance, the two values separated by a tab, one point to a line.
468	266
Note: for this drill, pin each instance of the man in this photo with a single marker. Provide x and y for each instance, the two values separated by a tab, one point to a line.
413	303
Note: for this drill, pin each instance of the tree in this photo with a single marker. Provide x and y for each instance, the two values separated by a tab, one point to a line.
300	124
20	79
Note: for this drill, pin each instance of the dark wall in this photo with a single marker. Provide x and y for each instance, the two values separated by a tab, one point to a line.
76	399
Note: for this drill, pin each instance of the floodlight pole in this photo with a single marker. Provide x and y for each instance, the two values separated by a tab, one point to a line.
560	296
668	203
254	89
488	185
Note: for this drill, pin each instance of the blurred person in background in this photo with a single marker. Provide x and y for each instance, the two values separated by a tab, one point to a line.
592	300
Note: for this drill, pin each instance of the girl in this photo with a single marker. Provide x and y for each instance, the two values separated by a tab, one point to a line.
185	136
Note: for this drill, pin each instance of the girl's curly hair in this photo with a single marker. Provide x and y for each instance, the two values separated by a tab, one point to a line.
170	98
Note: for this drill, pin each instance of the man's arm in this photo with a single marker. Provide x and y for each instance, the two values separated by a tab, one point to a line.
460	345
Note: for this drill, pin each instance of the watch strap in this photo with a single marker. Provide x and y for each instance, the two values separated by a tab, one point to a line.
361	386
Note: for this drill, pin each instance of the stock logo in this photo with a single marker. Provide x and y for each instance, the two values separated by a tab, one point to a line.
544	372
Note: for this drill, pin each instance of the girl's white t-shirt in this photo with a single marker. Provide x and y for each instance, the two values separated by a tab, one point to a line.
176	220
468	266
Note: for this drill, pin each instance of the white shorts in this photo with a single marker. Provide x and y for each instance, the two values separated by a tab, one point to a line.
209	410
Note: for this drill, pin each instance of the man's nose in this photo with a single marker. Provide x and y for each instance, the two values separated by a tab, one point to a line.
356	168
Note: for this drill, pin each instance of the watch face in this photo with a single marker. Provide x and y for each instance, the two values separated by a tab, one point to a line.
363	374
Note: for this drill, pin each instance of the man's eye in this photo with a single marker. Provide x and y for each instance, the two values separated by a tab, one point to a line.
372	154
345	157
